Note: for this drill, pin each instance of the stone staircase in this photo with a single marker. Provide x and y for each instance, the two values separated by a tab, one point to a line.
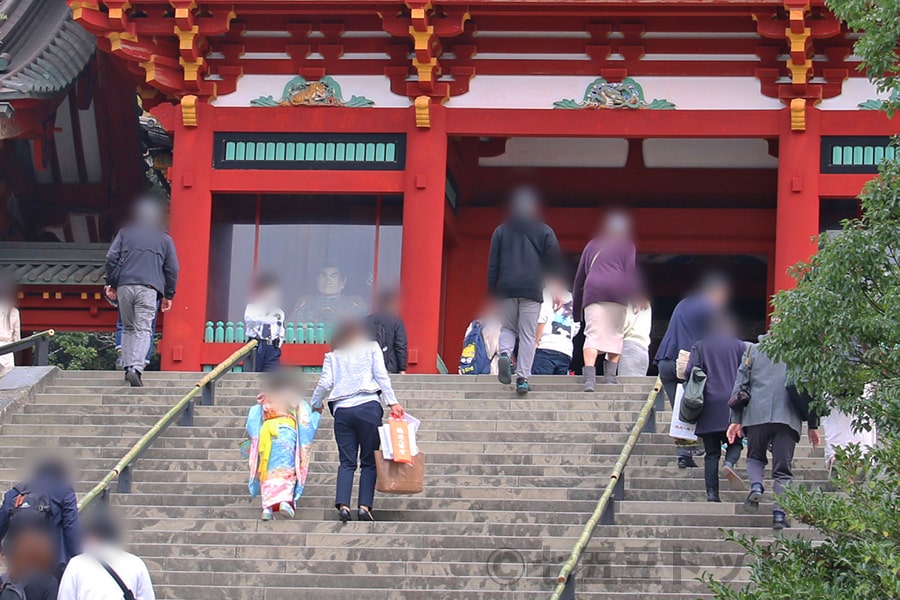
509	485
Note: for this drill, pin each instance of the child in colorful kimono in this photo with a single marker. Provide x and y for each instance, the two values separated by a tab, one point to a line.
281	428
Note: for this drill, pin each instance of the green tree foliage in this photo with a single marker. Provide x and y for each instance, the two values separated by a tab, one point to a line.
840	332
879	22
79	350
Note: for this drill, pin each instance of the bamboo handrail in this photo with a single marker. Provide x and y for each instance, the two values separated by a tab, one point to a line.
26	341
164	422
589	527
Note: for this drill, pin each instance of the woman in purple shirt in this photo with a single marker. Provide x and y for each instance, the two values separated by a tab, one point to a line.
605	282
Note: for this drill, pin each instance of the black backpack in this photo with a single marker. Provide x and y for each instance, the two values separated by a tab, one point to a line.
30	508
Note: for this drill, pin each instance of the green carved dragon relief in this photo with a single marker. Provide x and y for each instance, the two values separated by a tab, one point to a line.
324	92
876	104
626	94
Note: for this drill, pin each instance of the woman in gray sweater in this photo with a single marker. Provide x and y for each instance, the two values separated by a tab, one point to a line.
769	418
355	382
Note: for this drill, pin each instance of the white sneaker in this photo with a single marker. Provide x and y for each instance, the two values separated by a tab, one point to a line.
286	509
267	514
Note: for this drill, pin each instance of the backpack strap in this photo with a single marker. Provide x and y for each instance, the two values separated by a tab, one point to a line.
129	595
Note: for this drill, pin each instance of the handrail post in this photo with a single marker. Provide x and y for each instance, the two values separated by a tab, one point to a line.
609	514
187	414
42	352
619	490
124	483
650	424
250	361
208	394
568	592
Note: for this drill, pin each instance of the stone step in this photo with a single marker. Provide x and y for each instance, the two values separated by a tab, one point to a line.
602	551
509	485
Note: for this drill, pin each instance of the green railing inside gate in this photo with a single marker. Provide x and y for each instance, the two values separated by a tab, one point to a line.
154	432
587	533
229	332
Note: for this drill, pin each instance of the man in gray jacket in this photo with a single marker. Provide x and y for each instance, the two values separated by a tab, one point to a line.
769	418
141	270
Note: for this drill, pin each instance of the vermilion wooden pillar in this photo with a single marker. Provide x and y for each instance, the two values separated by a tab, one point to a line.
797	216
423	237
189	225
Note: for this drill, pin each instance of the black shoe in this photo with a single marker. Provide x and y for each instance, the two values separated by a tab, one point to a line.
712	497
522	386
345	514
365	515
751	504
504	369
779	520
133	377
686	462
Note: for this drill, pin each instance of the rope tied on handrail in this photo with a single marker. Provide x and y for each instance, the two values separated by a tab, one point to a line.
589	527
163	423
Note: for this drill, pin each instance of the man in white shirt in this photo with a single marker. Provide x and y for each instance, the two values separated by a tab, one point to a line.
104	571
556	328
264	321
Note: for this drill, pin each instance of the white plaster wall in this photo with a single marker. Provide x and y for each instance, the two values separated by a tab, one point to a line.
374	87
855	90
560	152
706	93
714	153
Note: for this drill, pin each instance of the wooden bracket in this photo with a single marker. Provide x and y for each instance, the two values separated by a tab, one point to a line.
189	111
423	112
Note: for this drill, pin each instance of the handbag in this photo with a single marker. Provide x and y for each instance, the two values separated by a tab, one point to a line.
399	478
694	387
741	397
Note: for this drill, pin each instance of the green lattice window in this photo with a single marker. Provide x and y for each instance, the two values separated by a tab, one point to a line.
855	154
310	151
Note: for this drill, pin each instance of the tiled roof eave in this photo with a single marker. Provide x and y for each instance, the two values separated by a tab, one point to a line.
42	70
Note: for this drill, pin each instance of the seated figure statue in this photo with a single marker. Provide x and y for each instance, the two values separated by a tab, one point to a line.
329	304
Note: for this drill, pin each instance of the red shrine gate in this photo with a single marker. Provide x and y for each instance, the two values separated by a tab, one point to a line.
411	174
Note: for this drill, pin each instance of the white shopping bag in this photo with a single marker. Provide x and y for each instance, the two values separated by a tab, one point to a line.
678	429
387	449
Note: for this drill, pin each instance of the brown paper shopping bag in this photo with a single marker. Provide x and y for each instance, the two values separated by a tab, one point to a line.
400	478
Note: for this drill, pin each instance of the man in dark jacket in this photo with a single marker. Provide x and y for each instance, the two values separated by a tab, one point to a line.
141	268
388	329
522	249
49	481
691	321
